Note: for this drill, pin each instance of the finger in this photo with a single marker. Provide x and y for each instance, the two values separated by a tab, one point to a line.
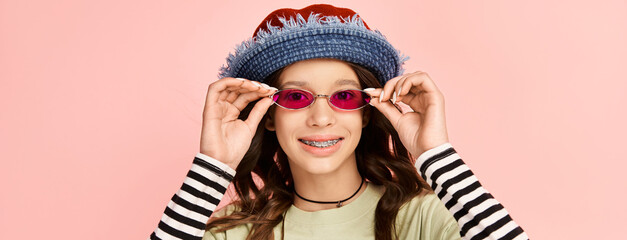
411	83
388	110
217	88
266	86
410	99
238	89
234	84
257	85
396	95
257	113
404	87
224	95
247	90
423	82
373	92
388	89
241	100
419	92
407	97
231	96
244	99
253	86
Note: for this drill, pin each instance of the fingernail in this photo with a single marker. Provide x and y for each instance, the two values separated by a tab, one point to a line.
381	96
400	89
241	79
394	97
265	86
256	83
368	89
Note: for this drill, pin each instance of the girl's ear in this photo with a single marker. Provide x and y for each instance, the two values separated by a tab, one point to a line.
270	123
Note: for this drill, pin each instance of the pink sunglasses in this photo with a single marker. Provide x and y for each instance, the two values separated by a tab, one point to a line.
348	99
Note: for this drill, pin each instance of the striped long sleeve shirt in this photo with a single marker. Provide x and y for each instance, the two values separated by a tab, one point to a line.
478	214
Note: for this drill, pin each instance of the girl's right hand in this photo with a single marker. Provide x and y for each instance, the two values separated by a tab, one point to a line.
224	136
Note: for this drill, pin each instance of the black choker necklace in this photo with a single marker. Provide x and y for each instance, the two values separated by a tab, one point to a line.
339	203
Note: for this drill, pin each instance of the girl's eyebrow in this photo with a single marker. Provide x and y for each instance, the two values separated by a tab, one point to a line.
342	82
295	83
339	82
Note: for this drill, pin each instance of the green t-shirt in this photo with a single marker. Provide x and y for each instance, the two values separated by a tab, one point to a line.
424	217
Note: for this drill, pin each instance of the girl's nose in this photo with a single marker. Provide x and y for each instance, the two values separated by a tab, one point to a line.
321	114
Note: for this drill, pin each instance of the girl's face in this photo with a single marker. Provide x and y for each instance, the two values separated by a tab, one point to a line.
319	139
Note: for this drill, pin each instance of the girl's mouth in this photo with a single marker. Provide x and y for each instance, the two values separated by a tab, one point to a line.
320	144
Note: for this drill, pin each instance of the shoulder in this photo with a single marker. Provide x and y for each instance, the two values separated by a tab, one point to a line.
426	202
426	216
237	232
225	211
423	205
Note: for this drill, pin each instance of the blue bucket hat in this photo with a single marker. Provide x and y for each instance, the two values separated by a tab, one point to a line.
288	35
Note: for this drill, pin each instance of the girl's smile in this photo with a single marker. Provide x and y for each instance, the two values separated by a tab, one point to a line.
321	145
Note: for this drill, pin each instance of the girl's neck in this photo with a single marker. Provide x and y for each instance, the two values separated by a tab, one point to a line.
326	188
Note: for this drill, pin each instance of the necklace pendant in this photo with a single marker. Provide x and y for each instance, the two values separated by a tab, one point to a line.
339	204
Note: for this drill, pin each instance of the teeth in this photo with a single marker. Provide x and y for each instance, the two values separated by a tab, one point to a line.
322	144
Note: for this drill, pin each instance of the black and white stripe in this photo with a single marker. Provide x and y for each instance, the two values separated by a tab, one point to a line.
187	213
478	214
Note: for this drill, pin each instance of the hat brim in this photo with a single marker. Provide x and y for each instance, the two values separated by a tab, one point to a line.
348	42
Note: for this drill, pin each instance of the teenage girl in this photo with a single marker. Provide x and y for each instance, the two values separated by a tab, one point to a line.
310	108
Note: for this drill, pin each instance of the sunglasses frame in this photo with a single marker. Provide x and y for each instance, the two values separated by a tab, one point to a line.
316	96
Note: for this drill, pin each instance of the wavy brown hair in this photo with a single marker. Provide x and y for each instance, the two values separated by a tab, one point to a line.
381	159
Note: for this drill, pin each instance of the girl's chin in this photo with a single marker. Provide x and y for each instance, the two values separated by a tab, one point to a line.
318	166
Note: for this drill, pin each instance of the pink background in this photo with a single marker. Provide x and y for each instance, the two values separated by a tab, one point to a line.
101	103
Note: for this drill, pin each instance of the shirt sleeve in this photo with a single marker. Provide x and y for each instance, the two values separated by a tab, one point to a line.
187	213
478	214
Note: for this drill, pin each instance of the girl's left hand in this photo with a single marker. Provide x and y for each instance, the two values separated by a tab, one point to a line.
425	127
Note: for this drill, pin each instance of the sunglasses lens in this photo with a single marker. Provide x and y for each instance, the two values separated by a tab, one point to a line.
293	98
349	99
